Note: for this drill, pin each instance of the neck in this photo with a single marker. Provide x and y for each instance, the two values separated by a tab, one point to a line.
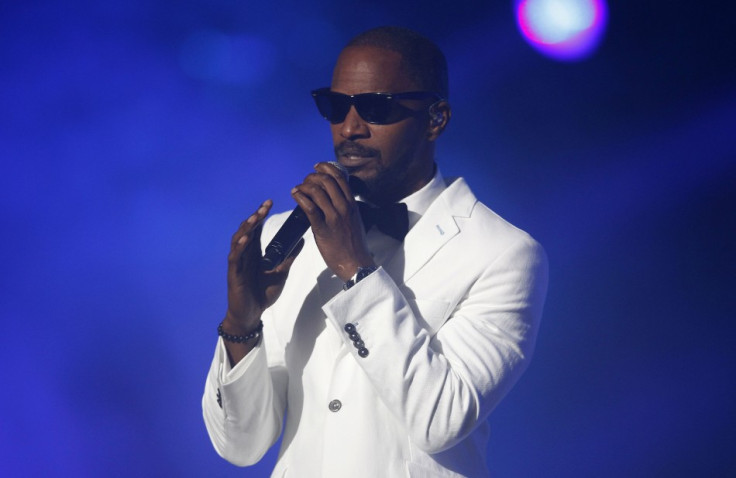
381	198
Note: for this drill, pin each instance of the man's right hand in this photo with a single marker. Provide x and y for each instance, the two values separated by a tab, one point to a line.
250	289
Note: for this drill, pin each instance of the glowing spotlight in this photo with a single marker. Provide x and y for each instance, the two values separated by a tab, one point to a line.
565	30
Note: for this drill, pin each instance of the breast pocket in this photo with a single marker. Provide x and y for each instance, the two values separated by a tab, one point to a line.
431	314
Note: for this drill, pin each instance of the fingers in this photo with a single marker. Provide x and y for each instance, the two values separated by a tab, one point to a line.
249	232
339	176
313	200
324	194
253	221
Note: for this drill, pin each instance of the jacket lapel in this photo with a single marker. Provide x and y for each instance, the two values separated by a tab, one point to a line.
436	227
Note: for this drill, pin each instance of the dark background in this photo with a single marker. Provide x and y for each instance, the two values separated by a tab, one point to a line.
136	135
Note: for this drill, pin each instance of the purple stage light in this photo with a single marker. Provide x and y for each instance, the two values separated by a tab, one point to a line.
566	30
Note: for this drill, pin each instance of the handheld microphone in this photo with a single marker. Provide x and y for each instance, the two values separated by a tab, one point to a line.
286	239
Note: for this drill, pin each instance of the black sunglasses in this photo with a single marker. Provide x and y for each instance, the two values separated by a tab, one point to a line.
375	108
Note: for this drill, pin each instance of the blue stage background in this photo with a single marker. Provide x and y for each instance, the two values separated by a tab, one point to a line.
136	135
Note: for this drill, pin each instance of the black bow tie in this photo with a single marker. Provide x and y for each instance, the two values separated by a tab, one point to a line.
392	220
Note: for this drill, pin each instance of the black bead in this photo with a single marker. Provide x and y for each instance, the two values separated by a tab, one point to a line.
358	343
240	339
363	352
349	328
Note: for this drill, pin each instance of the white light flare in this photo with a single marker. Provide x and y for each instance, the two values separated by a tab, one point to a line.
566	30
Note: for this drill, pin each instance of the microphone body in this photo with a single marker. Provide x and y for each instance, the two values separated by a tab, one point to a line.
286	239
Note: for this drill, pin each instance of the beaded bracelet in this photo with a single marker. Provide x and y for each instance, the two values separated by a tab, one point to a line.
240	339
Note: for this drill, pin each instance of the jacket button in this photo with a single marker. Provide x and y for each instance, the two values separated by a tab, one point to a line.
363	352
349	327
335	405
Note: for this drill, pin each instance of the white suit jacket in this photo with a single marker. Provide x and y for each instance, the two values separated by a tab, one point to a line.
449	322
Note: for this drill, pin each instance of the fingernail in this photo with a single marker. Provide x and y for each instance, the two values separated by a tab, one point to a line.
294	190
251	219
242	239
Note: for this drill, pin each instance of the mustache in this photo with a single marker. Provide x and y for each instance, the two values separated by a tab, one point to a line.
351	148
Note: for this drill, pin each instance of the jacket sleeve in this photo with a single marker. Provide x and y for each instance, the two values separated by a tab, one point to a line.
244	406
440	386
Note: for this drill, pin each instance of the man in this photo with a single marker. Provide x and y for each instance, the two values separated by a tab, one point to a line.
383	356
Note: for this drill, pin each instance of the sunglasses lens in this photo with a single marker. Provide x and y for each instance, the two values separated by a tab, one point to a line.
376	109
334	107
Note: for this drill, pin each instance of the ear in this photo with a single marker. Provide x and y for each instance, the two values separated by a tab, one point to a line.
439	116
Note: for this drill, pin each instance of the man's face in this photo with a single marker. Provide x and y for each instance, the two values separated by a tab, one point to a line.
393	160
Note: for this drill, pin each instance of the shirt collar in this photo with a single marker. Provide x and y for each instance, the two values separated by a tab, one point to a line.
418	202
